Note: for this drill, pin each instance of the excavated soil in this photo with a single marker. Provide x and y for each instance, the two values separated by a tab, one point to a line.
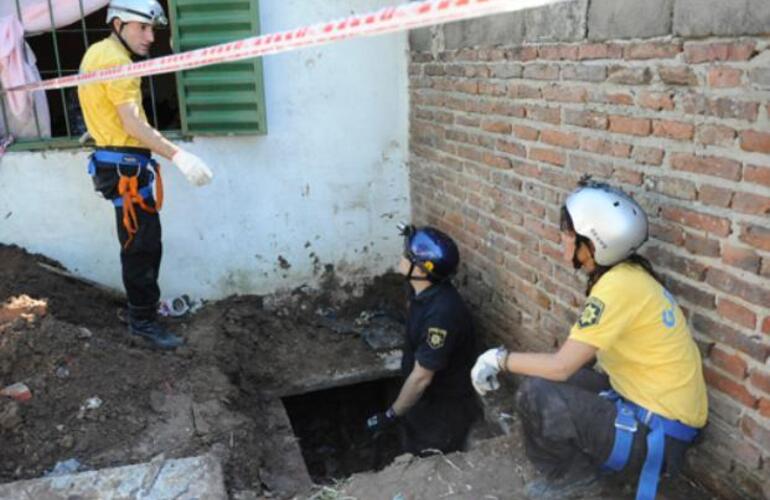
100	398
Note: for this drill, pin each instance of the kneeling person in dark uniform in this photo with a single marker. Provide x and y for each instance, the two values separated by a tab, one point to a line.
437	403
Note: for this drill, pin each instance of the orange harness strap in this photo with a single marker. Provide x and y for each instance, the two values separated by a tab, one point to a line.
128	190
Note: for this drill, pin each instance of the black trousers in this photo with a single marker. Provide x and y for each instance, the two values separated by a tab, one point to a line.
439	423
140	262
567	423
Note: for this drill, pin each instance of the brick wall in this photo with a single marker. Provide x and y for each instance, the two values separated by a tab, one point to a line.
500	133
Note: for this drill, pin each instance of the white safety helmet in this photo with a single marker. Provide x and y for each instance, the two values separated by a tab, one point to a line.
612	220
143	11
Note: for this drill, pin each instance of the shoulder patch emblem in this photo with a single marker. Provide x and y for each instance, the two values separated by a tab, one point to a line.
592	313
436	337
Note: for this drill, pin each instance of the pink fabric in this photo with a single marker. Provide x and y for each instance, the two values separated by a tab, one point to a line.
15	70
36	16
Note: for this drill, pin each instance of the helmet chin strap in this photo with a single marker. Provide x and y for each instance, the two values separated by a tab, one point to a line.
409	276
123	41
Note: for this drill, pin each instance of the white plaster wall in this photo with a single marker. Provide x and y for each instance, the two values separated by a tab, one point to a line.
325	186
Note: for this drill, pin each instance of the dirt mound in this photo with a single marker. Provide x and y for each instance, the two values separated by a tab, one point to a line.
103	399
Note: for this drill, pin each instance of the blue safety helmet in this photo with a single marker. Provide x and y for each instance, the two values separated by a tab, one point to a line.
431	250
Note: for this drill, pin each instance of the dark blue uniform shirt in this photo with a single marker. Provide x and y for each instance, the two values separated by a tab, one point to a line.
439	334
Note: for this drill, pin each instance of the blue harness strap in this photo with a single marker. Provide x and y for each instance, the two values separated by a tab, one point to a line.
626	424
117	159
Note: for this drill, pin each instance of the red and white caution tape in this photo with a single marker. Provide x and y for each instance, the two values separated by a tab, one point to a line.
388	20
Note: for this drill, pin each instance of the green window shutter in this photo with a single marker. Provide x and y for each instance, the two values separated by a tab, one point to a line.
222	99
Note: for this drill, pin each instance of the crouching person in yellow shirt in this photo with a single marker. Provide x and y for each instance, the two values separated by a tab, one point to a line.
649	407
122	167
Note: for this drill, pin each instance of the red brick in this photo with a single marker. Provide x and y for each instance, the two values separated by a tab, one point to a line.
496	161
719	226
678	75
526	133
652	50
627	176
620	98
561	93
629	75
753	204
699	245
715	196
766	326
724	77
721	280
730	336
757	174
567	140
756	236
656	100
675	188
733	364
605	147
599	51
716	135
698	52
491	54
508	108
557	52
544	114
494	89
754	141
669	233
538	71
647	155
551	156
513	148
760	380
723	107
588	165
764	407
756	431
672	130
467	87
521	91
524	53
709	165
736	313
728	386
685	266
587	119
629	126
496	127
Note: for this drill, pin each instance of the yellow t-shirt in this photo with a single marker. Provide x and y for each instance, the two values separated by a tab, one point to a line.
99	101
644	344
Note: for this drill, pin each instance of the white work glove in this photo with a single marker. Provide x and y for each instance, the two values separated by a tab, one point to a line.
484	372
193	168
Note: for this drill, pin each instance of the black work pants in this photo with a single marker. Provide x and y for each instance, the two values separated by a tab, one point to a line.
140	262
439	423
568	422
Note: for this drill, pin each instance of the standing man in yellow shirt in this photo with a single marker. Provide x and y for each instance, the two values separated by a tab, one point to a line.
122	166
650	405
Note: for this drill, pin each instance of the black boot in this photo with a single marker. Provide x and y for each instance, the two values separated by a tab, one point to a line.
152	331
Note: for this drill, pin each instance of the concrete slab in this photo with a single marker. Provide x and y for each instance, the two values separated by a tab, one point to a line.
561	22
717	17
503	29
612	19
160	479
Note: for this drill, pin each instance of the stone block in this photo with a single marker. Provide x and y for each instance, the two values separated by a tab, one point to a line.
560	22
503	29
696	18
611	19
420	40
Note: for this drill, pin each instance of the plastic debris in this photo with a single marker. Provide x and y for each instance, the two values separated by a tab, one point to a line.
93	403
65	467
17	391
176	307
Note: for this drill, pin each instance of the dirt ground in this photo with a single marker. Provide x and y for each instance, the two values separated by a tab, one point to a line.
103	399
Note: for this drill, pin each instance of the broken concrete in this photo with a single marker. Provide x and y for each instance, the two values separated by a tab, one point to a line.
185	478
